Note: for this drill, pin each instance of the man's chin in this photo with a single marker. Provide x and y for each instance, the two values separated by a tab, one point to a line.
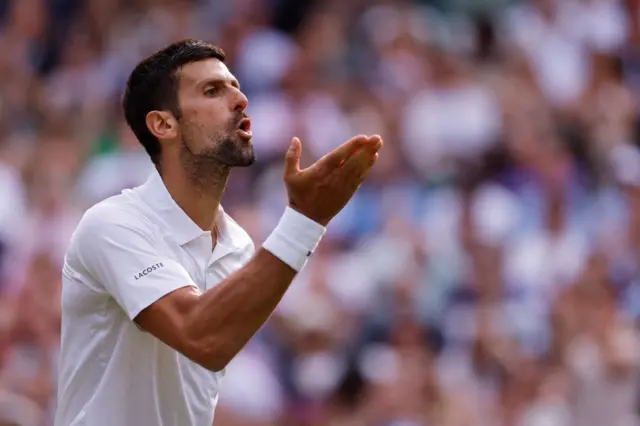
243	160
236	152
247	154
246	163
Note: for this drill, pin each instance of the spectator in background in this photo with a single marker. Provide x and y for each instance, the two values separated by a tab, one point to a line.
487	272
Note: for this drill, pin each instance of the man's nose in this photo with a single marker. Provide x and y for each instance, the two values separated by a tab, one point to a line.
241	102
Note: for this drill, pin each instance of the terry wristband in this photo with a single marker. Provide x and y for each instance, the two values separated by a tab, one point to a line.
294	239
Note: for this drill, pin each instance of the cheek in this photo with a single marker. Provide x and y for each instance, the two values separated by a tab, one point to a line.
211	116
205	108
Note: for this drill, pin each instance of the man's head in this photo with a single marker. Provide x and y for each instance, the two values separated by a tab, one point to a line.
183	103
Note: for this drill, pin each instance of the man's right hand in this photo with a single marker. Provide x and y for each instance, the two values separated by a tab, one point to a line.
322	190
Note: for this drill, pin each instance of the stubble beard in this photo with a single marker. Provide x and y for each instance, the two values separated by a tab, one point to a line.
210	165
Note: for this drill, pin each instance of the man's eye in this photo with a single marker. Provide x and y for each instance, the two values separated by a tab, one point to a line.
212	91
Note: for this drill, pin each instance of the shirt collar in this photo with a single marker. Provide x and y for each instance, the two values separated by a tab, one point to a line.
154	193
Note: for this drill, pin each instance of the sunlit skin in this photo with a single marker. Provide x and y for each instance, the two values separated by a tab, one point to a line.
200	144
206	302
211	135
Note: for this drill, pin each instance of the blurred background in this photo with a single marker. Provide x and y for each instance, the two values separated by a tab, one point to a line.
487	272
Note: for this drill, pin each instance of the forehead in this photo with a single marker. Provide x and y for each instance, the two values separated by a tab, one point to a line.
195	73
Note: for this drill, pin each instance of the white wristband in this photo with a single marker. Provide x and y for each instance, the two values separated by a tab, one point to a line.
294	239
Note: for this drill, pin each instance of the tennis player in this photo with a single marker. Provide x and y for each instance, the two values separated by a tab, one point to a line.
161	288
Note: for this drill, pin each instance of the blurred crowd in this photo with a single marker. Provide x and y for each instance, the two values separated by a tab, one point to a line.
485	275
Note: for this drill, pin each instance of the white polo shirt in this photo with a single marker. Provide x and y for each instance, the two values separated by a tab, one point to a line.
127	252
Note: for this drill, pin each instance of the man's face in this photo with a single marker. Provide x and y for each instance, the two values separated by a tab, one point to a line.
213	121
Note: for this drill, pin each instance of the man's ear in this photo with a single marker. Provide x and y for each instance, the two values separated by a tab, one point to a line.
162	125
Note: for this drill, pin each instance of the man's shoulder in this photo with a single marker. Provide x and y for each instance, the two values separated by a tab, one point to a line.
108	223
120	209
113	215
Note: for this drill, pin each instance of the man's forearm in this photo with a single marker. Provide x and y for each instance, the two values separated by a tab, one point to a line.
228	315
210	328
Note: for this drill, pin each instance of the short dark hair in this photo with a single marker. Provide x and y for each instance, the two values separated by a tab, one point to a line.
153	85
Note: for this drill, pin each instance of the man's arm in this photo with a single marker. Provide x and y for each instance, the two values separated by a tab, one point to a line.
211	328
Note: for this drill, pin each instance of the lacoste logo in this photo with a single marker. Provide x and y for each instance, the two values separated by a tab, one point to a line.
148	270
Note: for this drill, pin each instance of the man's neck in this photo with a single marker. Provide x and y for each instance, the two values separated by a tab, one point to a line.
198	191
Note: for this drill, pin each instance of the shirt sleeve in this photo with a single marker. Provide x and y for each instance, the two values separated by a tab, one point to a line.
120	251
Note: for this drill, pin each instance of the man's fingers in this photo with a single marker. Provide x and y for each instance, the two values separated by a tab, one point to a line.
356	175
336	157
375	144
375	140
372	144
292	157
366	171
363	159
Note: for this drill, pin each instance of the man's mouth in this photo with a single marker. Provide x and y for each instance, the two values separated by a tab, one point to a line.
244	128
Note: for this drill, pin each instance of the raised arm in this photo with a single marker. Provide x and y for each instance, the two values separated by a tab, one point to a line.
210	328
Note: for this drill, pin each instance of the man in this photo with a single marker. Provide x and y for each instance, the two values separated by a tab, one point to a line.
161	289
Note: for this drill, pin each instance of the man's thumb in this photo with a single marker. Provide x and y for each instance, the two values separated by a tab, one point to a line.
292	158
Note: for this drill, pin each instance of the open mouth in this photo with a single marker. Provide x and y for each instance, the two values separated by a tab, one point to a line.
244	128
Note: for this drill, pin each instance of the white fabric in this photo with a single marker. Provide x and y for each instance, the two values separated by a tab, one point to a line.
433	131
601	25
251	388
127	252
559	59
14	204
294	239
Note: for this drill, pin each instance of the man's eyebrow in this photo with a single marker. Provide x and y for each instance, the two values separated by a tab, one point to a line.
212	81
